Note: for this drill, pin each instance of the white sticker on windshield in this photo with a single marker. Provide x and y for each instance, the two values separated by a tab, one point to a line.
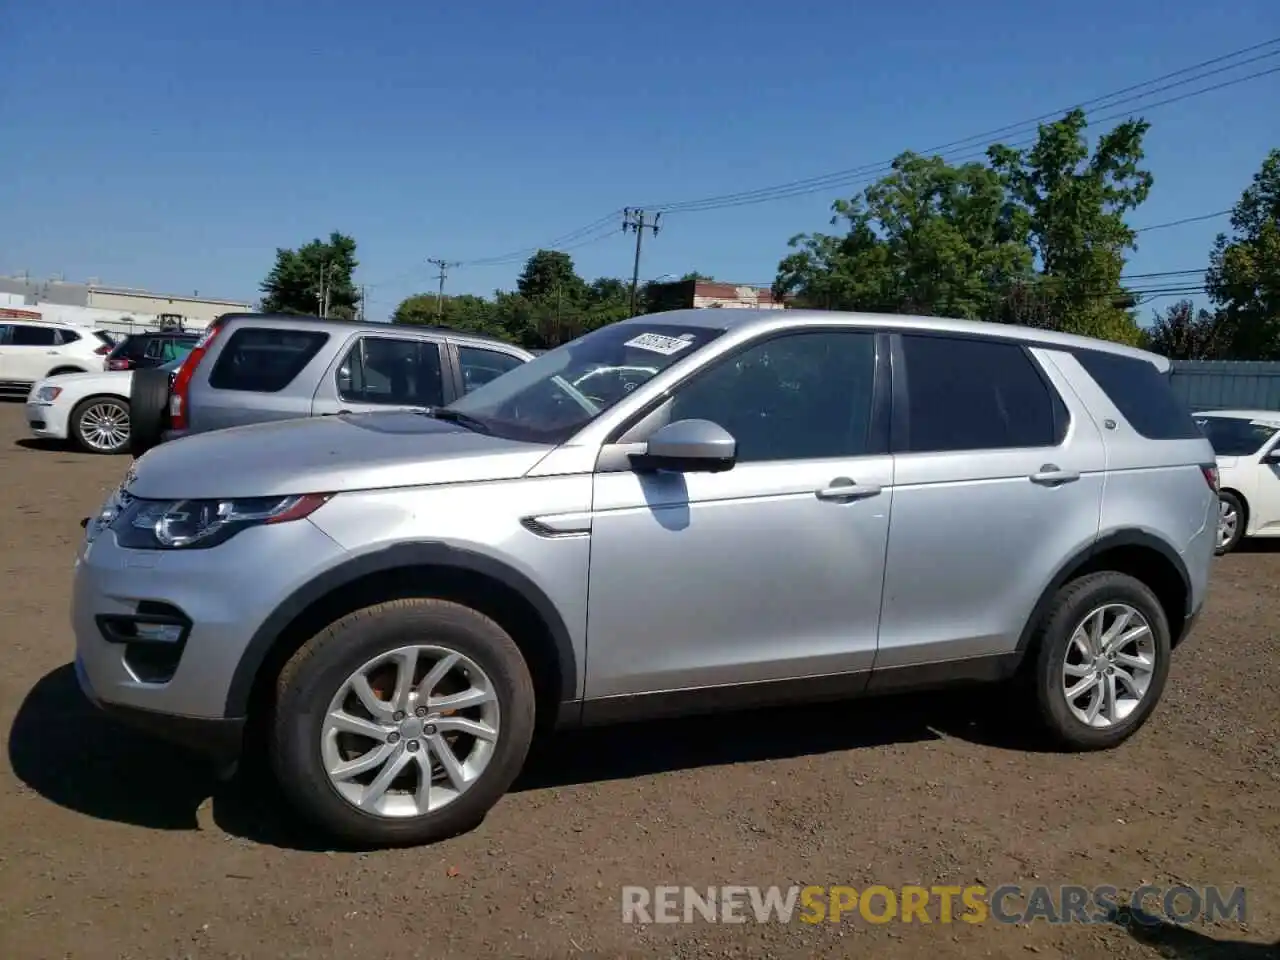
657	343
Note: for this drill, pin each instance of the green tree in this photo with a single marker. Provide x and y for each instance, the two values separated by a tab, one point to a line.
549	276
462	312
316	275
1073	205
928	238
1184	333
1243	279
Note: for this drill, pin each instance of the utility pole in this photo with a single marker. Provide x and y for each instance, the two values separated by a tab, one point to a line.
363	297
444	266
322	298
633	219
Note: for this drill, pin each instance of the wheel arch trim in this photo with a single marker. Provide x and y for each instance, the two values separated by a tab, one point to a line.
400	556
1127	537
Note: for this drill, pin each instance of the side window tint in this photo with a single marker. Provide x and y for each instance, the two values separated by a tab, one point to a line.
795	397
155	348
480	366
25	336
264	360
6	333
976	395
67	336
396	372
1141	393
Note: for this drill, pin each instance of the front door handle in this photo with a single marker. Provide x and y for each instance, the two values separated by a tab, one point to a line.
1051	475
842	488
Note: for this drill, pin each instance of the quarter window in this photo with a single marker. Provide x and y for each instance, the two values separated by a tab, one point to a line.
1142	394
794	397
968	394
396	372
480	366
264	359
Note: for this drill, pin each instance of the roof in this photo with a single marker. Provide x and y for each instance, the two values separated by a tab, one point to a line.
1272	416
304	320
775	319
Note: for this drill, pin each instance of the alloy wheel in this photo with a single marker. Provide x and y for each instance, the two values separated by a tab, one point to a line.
105	426
1109	665
410	731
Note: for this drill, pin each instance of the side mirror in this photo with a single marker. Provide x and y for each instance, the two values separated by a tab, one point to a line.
688	446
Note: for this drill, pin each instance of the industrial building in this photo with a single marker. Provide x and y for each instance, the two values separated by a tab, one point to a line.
121	309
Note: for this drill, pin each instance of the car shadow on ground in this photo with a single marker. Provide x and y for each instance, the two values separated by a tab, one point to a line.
1182	943
42	443
64	749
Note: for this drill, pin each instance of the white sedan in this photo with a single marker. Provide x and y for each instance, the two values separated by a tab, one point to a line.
90	409
1247	444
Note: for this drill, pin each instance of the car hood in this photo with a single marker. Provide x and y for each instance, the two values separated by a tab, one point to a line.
331	454
117	381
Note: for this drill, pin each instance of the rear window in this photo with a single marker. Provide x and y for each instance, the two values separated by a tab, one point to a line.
1235	437
264	360
1142	395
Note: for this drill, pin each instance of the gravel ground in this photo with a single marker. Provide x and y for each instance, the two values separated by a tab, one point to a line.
114	846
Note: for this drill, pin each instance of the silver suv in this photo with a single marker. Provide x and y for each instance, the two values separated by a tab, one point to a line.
252	367
681	512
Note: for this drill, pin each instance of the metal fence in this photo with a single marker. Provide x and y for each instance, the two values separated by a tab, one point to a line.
1227	384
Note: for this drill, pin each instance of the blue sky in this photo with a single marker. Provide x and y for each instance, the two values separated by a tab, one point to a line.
175	146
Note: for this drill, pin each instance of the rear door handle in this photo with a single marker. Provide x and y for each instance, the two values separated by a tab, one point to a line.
1051	475
842	488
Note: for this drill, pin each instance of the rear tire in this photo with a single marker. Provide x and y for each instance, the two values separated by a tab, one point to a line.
1062	662
317	685
148	404
1232	517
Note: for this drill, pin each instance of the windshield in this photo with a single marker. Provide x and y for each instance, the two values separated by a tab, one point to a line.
552	397
1235	437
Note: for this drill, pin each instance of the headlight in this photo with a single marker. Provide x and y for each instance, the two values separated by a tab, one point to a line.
47	394
196	524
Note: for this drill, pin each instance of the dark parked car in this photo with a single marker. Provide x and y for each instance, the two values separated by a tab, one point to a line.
141	350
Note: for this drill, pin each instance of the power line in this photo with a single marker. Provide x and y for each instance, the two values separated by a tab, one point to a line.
864	175
599	229
1178	223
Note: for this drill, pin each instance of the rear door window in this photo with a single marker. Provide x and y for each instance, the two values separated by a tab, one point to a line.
1141	393
23	335
385	370
264	359
67	336
969	394
479	366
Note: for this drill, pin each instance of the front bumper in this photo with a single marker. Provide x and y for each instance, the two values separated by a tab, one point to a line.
44	421
221	739
178	686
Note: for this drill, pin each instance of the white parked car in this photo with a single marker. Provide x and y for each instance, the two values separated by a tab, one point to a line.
90	409
1247	444
31	350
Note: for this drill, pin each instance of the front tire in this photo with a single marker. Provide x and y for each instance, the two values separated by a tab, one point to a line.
1103	661
1231	522
101	425
402	723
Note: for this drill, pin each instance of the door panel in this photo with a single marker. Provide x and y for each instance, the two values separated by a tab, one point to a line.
975	538
704	579
749	575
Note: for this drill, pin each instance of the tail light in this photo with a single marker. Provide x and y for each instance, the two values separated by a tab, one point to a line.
103	350
119	363
1210	471
182	379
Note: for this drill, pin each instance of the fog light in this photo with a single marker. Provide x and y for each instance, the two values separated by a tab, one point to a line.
157	632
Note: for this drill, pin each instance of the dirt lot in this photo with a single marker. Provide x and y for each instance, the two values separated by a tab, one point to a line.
113	846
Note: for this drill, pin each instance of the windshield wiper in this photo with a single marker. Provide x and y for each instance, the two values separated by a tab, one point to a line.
462	419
